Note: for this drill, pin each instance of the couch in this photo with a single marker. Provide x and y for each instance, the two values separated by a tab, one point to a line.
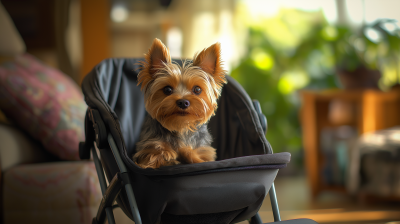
38	185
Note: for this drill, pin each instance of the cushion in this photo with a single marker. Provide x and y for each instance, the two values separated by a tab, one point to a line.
45	103
62	192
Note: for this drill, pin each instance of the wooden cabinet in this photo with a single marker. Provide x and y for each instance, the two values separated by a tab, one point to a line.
365	110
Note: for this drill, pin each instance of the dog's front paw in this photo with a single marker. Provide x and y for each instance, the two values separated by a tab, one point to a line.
156	158
156	166
172	163
206	153
188	155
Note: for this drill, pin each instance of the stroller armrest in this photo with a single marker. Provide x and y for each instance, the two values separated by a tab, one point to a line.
261	116
95	130
264	161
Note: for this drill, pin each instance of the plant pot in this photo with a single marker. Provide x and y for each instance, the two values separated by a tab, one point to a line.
360	78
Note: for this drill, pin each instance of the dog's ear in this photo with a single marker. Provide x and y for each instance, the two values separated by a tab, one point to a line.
157	56
209	60
155	59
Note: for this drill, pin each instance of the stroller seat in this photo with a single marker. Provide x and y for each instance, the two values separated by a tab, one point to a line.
228	190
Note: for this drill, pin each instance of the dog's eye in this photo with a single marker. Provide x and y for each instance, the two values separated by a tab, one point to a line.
196	90
167	90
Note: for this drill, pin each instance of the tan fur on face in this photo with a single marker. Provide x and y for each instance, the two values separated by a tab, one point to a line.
158	72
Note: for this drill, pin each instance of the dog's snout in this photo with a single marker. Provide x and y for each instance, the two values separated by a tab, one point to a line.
183	104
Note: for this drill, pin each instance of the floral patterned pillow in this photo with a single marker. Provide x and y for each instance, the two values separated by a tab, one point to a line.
45	103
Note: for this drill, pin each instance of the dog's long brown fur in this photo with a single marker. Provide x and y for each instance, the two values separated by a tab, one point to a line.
175	133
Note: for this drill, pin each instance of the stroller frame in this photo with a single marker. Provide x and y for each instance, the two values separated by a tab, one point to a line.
123	180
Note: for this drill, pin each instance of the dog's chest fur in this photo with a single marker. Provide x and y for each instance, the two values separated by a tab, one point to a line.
153	130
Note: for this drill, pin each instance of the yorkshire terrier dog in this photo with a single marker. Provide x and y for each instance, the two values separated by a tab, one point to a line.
180	101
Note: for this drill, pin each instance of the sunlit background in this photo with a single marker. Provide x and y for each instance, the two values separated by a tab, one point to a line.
273	48
326	73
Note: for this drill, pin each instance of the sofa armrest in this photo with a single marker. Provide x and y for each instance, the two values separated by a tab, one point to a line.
18	148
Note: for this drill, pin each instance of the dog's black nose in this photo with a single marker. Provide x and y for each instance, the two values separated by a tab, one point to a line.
183	104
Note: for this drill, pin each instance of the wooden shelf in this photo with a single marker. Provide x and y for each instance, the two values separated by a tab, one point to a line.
365	110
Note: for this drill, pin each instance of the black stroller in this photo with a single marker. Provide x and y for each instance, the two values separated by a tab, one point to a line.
228	190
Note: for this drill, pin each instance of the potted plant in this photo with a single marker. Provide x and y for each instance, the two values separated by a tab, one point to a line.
361	55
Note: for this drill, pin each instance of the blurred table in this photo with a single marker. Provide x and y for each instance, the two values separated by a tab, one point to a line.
364	110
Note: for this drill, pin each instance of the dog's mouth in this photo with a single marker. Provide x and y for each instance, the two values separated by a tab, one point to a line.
181	113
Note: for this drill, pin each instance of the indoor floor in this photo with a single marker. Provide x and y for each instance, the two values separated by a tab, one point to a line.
295	202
